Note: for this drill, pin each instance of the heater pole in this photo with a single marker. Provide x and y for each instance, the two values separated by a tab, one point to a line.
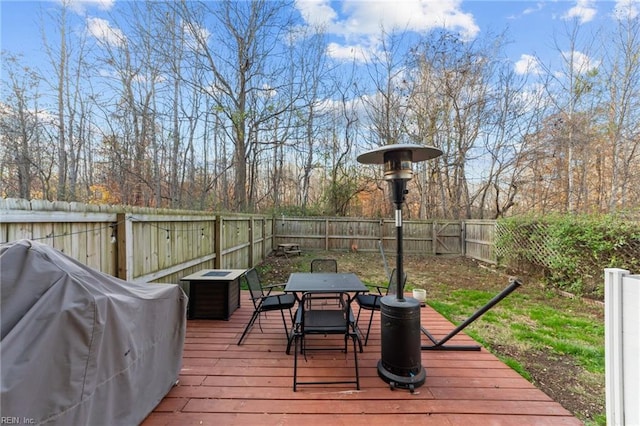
399	190
399	256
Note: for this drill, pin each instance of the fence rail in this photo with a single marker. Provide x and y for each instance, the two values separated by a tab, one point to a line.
149	245
420	237
144	245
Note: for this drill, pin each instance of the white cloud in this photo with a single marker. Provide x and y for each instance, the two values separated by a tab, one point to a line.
104	32
268	91
147	79
333	106
196	36
358	22
316	12
626	9
357	52
43	115
538	7
528	11
80	6
102	72
362	17
531	97
581	62
528	64
584	11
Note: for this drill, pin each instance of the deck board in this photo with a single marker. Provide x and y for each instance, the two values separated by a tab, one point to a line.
225	384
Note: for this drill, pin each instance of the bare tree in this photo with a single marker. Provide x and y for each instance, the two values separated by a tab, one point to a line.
134	114
450	103
566	89
386	107
61	59
384	96
18	125
622	109
70	69
516	111
241	56
343	185
308	57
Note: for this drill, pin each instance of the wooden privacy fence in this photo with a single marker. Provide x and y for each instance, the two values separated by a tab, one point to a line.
140	244
472	238
150	245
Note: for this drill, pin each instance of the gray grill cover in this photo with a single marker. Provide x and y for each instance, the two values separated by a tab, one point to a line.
80	347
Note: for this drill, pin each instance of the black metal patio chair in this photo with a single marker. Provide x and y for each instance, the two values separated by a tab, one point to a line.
329	319
328	265
324	265
371	301
264	301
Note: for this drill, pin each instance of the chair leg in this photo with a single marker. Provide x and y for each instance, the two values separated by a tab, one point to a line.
290	339
255	315
284	322
355	359
369	328
356	328
259	323
295	363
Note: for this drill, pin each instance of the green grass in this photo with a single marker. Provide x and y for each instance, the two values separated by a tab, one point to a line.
531	321
515	364
531	325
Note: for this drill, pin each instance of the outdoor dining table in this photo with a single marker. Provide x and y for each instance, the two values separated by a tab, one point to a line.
325	282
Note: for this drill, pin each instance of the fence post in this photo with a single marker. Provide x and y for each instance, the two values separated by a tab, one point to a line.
326	234
217	241
434	238
121	246
273	234
252	242
463	238
263	224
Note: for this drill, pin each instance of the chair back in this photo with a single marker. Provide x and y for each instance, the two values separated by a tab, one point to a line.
331	318
253	282
324	265
393	282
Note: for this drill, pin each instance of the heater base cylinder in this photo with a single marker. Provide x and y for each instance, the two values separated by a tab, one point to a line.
401	365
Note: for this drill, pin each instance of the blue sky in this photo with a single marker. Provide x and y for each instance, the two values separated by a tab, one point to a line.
353	25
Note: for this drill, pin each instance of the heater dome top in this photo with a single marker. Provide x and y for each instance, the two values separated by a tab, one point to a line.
418	153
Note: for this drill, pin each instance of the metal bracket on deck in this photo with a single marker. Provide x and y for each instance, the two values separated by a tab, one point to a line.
440	344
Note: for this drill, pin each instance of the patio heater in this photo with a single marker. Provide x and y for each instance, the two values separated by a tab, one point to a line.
400	364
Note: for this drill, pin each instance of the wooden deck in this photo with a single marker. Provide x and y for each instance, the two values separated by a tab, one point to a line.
225	384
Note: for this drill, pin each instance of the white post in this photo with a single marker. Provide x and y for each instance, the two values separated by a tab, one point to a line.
622	346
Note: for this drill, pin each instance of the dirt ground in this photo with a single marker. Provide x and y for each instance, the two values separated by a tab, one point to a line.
558	376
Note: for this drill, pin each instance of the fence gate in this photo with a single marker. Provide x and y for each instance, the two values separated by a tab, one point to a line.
446	237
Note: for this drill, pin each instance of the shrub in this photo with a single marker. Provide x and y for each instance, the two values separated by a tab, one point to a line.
570	250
